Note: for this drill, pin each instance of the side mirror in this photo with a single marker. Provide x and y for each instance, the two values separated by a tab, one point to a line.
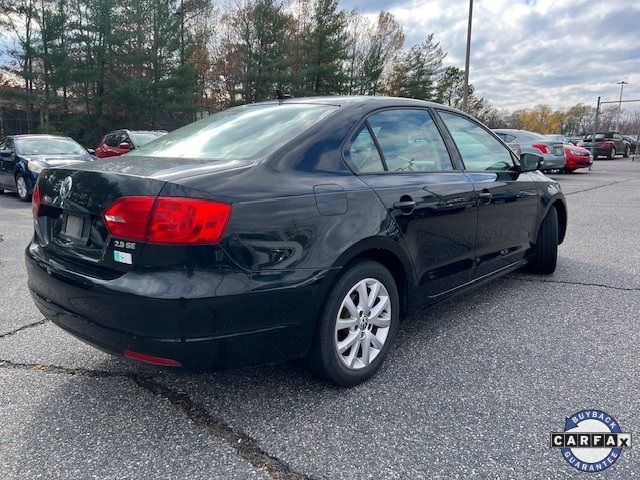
90	151
530	162
6	153
124	146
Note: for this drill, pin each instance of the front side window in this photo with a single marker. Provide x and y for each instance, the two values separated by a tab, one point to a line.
238	133
410	141
478	148
363	153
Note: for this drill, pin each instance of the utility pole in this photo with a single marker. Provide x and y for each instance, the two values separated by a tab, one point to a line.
622	84
465	94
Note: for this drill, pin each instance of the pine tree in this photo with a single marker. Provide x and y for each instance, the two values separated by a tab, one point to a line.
323	50
262	29
415	75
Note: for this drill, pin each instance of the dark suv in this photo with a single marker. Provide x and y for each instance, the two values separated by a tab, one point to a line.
607	144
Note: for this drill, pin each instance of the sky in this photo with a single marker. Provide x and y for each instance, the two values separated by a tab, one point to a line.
527	52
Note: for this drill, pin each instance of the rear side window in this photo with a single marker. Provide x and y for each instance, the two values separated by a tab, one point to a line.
410	141
506	137
478	148
238	133
363	153
111	140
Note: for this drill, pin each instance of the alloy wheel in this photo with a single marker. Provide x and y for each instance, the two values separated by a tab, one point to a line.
362	323
21	187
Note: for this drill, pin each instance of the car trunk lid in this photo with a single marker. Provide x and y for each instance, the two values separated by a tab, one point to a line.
72	225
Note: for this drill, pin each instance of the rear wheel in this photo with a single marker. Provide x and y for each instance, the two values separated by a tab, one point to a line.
22	188
612	153
546	247
626	152
357	327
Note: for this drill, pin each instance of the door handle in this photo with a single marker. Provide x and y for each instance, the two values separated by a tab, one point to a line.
485	197
406	205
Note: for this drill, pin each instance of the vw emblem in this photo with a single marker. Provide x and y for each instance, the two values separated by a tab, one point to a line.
65	188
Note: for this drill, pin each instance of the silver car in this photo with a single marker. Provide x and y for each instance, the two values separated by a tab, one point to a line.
523	141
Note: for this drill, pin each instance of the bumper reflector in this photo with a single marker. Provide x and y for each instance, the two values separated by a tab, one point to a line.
142	357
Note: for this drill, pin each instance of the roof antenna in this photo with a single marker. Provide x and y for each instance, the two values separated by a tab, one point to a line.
280	95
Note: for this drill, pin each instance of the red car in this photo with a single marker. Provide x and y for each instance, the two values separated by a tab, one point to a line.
123	141
577	157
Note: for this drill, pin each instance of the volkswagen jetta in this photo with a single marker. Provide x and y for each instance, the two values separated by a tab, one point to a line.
286	229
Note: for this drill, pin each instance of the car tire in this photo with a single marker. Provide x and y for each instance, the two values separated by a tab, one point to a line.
357	337
22	188
545	250
611	154
626	152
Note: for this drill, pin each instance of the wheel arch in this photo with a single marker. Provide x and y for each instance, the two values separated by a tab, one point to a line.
388	253
561	208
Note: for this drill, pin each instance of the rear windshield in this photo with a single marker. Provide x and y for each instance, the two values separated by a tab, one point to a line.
48	146
599	136
237	133
525	135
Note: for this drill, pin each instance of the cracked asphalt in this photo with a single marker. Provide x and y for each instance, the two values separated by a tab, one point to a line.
472	389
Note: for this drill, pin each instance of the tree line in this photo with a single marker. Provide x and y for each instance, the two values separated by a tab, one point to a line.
105	64
90	66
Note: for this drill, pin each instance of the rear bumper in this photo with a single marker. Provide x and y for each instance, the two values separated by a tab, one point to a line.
599	151
249	328
552	162
578	161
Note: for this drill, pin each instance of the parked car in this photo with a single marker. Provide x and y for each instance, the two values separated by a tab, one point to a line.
123	141
607	144
634	141
285	229
23	157
577	157
523	141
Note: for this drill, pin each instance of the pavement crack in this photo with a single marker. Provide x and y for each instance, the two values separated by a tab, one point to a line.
24	327
598	186
245	446
583	284
41	367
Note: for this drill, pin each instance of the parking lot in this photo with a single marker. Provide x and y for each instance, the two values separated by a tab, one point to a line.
472	388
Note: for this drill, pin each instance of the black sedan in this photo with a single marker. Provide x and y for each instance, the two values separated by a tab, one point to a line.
286	229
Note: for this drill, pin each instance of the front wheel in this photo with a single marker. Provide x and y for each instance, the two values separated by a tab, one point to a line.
357	326
22	189
546	248
626	152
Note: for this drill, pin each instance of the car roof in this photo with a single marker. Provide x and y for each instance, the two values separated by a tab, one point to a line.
38	135
353	100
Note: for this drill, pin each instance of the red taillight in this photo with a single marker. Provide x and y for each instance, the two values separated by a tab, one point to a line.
542	147
128	217
187	221
153	360
167	220
607	144
35	201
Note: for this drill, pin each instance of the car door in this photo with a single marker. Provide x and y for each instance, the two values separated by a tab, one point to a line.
400	153
508	200
619	141
7	163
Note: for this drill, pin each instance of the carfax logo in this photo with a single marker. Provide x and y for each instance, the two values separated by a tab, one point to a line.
592	441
